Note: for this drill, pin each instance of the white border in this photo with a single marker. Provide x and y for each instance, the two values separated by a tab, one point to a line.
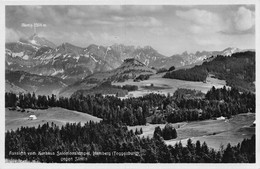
122	2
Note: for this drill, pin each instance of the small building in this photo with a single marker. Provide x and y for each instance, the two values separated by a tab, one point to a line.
254	124
221	118
104	95
32	117
200	112
130	95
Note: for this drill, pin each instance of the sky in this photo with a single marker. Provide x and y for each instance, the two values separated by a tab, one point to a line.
169	29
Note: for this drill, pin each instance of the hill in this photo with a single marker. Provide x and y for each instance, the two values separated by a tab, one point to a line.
130	69
19	81
15	119
105	89
238	70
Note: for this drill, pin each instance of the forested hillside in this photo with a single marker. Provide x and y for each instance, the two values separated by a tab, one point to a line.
113	144
134	111
111	135
238	71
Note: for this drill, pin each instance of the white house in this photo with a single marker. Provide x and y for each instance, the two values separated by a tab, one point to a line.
104	95
221	118
32	117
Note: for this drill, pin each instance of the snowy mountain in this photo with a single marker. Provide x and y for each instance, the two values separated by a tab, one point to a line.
72	63
229	51
38	41
186	59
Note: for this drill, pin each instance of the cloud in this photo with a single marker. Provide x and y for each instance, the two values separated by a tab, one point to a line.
117	18
201	21
114	7
142	8
211	40
76	13
107	37
197	26
244	19
101	22
136	21
77	38
142	22
239	22
197	16
12	35
159	30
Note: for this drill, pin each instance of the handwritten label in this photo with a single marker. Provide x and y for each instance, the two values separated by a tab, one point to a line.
33	25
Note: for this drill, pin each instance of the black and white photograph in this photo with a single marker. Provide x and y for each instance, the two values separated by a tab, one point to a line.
130	83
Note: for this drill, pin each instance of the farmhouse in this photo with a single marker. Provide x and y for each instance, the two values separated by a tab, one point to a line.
254	124
32	117
130	95
104	95
221	118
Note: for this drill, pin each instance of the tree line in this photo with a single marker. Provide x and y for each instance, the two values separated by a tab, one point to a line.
132	111
106	88
217	102
135	111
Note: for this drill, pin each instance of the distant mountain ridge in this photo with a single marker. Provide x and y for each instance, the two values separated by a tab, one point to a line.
72	63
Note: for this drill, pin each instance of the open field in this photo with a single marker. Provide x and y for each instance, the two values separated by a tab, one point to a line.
59	116
165	86
213	132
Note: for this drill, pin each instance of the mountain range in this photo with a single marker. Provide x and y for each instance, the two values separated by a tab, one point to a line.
72	67
72	63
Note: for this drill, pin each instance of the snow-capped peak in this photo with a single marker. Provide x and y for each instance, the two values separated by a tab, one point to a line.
229	51
36	40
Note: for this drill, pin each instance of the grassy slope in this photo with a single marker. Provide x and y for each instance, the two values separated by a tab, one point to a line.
60	116
164	85
214	132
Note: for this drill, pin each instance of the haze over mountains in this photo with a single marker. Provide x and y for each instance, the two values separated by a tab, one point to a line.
69	63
